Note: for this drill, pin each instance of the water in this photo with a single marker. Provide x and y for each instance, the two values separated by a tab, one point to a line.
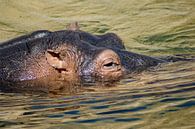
163	97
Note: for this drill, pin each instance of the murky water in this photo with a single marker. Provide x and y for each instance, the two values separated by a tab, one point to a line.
158	98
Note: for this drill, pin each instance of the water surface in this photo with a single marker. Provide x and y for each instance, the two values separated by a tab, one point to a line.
163	97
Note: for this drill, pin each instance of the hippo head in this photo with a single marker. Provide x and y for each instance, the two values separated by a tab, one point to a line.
79	60
68	55
78	55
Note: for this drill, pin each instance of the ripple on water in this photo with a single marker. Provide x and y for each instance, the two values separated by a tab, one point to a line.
136	103
162	98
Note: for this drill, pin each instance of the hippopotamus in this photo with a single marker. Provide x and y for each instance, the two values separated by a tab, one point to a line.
70	55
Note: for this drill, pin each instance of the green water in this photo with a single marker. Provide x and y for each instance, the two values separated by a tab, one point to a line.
163	98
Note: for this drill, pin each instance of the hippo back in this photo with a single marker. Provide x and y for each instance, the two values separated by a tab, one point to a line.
21	44
13	53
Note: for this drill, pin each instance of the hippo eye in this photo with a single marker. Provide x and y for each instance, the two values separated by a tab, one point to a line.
109	65
108	61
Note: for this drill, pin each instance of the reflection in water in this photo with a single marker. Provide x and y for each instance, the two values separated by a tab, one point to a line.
154	99
158	98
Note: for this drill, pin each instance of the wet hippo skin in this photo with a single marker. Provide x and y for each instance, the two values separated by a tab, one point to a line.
70	55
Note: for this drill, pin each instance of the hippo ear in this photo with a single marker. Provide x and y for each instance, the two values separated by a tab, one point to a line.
53	58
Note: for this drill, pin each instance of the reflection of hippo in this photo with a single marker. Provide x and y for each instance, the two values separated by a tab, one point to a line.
69	55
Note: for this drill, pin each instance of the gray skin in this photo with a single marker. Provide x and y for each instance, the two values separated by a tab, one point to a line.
69	55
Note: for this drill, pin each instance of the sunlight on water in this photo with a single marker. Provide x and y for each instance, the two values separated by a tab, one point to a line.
153	100
162	97
168	26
